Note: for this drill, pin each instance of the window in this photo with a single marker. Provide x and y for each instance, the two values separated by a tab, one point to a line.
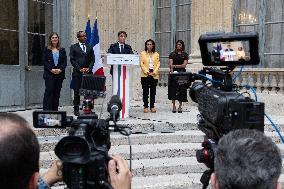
163	30
247	16
40	24
9	36
274	34
271	28
172	23
182	31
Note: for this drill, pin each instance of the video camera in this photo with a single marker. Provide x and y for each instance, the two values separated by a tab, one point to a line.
222	107
84	152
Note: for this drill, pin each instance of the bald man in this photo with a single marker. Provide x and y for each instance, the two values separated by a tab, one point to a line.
19	159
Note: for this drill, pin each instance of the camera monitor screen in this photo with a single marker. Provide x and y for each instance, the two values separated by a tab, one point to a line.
229	49
49	119
93	82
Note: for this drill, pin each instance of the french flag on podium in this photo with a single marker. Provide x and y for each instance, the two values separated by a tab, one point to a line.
98	68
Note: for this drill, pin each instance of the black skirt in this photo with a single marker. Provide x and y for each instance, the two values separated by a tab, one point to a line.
175	91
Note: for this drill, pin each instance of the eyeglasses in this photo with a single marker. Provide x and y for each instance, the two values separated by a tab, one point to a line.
149	44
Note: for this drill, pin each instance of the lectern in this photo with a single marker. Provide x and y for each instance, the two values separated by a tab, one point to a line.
121	78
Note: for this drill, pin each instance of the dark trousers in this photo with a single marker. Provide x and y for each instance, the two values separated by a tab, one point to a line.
52	93
149	83
77	85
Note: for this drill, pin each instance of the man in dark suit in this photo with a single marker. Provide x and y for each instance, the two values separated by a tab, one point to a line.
82	59
229	48
120	47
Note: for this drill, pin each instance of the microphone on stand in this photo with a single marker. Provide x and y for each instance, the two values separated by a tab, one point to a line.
114	107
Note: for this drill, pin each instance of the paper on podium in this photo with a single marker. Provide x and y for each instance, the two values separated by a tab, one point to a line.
122	59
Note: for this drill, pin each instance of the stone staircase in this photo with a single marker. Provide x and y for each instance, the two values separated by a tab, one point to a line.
160	160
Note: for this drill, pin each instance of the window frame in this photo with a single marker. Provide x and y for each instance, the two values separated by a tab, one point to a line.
173	28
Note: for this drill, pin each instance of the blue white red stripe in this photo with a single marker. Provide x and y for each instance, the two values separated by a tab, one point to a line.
121	87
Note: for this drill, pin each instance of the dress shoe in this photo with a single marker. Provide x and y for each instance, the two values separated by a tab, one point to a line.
174	109
146	110
153	110
76	112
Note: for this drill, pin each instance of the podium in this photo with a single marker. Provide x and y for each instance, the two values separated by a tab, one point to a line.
121	78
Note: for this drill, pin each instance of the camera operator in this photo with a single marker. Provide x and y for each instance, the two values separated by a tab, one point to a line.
246	159
19	160
120	176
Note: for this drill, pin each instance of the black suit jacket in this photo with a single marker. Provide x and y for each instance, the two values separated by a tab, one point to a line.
114	49
79	59
229	50
48	63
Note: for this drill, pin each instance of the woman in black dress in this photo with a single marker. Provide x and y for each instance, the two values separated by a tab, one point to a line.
177	62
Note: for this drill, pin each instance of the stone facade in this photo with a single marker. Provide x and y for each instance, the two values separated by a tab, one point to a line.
136	18
209	16
132	16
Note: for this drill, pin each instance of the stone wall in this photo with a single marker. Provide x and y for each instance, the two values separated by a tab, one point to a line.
132	16
136	18
209	16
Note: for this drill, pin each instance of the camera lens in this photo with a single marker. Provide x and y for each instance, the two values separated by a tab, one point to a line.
202	156
206	156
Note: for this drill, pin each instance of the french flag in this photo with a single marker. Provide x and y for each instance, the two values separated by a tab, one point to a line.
98	68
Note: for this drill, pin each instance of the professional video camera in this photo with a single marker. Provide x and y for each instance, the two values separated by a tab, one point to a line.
222	107
84	152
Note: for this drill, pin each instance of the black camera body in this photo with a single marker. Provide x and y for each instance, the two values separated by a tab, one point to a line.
222	108
84	152
223	111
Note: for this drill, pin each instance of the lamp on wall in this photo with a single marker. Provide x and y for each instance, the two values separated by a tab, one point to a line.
246	18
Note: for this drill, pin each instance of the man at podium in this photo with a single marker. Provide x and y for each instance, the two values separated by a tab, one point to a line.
120	47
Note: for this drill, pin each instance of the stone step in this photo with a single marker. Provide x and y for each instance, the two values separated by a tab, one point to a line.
149	125
147	151
47	143
151	151
157	166
190	136
175	181
167	166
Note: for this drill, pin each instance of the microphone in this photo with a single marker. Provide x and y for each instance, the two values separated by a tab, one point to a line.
114	107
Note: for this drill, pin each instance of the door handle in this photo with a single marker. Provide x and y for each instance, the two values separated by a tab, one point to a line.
28	67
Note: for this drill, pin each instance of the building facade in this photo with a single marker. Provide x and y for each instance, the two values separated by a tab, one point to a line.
25	24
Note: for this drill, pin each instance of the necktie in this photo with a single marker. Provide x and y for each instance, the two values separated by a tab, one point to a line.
84	47
121	49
